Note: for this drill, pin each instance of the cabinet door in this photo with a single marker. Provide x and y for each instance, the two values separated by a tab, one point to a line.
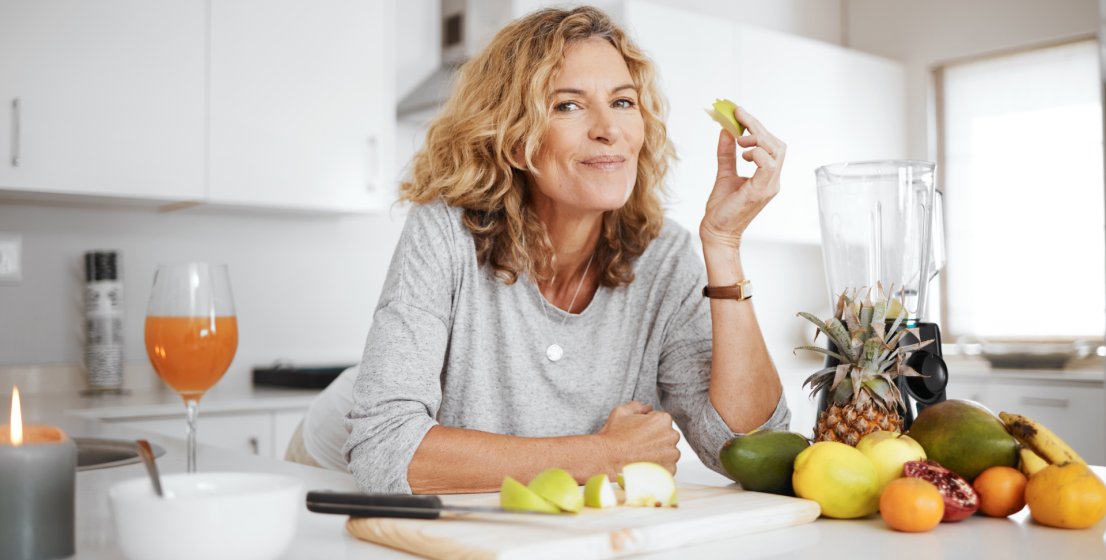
829	104
1072	410
691	53
302	104
102	98
826	102
249	433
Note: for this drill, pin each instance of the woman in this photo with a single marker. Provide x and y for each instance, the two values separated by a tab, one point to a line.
538	310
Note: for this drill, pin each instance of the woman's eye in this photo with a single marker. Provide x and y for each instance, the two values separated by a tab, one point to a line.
566	106
625	103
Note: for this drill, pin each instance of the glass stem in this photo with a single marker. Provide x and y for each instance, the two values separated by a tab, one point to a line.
191	405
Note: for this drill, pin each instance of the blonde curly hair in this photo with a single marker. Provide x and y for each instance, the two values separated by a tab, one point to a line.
480	149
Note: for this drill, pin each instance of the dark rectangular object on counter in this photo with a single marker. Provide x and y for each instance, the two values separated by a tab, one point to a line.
300	377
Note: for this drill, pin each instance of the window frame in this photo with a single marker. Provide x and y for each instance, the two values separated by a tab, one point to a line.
937	128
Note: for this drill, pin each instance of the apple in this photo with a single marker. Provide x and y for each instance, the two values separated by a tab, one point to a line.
557	486
889	451
598	492
648	485
724	113
516	497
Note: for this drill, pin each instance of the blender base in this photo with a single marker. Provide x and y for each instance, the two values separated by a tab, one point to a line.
917	392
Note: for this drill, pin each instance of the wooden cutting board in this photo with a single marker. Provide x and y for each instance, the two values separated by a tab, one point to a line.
705	513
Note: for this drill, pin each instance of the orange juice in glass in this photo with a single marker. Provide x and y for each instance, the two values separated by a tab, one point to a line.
191	333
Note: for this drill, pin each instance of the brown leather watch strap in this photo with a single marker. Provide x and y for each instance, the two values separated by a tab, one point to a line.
741	290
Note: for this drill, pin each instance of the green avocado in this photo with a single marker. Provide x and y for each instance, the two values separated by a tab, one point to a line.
763	461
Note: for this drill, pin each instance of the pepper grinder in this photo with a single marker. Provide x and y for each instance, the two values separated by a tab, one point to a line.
103	299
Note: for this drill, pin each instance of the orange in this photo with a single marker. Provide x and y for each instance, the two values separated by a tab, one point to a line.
912	505
1001	491
1069	496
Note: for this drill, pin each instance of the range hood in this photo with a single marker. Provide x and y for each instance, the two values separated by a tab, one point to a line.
467	27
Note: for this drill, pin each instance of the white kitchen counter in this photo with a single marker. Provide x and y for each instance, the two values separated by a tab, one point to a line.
324	536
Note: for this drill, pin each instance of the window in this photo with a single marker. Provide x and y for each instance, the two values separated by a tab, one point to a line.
1022	158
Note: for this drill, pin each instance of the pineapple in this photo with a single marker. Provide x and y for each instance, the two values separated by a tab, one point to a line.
863	394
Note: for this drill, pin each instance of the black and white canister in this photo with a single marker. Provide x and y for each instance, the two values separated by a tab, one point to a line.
103	303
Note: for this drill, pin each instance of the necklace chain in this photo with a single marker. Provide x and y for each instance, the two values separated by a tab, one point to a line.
554	352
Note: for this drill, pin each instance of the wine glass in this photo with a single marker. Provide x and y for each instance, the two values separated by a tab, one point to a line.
191	332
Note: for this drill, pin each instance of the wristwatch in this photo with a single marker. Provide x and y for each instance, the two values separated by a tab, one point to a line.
740	291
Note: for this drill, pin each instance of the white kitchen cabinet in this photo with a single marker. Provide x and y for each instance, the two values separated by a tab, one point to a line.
966	388
264	433
302	104
1071	409
102	98
826	102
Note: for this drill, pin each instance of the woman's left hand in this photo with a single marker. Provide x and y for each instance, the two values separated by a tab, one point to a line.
736	200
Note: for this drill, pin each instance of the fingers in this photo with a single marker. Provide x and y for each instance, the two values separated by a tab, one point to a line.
632	407
727	158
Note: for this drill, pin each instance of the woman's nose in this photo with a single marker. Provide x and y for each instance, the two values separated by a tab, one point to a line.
604	127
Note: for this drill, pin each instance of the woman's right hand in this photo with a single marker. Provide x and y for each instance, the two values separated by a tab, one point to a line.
635	432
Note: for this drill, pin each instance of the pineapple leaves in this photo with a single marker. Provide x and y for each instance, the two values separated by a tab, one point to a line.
867	349
823	351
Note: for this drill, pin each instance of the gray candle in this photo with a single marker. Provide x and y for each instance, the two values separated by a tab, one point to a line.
38	467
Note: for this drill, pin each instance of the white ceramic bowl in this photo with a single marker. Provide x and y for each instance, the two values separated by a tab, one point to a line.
210	516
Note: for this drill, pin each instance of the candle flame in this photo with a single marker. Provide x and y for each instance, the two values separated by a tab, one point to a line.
17	419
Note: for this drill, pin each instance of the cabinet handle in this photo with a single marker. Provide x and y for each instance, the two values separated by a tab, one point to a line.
255	445
373	163
1045	401
15	132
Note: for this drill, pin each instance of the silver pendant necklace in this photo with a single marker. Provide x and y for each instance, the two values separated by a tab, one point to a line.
554	352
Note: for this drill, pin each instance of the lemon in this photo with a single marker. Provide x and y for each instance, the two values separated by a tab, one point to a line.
889	451
841	479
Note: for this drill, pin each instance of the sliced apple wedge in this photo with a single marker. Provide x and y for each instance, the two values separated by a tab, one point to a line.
516	497
649	485
724	113
598	492
557	486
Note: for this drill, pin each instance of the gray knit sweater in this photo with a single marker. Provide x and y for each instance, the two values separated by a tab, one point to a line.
452	344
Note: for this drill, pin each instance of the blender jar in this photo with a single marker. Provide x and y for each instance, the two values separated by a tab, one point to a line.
881	224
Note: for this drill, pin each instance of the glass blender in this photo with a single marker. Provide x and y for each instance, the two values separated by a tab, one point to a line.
882	224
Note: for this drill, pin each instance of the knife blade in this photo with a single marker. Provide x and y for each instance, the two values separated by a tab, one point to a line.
406	506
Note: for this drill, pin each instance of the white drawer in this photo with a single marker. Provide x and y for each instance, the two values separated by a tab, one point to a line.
1074	411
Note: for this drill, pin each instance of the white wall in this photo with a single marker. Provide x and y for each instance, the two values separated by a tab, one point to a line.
923	34
304	288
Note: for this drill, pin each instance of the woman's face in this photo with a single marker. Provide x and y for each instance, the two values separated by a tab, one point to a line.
588	158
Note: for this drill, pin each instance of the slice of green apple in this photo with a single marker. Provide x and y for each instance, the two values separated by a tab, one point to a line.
598	492
557	486
516	497
649	485
724	113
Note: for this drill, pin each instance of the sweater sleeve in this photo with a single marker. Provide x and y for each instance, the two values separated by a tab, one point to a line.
398	390
683	376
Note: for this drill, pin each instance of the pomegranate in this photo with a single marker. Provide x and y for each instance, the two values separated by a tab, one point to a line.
961	501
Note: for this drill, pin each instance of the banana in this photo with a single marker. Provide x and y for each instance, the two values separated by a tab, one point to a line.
1043	441
1029	462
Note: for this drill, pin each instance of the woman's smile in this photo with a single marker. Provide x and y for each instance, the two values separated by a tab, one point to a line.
604	163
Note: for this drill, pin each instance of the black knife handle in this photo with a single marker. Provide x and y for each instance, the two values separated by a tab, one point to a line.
375	505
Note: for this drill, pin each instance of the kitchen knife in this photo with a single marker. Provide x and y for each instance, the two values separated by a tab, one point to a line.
394	505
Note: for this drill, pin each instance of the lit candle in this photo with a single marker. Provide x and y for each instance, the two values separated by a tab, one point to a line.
38	467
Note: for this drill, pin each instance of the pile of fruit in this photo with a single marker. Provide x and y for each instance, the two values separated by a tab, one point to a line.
957	459
554	490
